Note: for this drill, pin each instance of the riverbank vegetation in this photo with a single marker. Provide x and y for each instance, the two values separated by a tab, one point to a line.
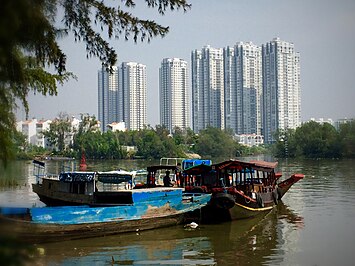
147	143
315	140
311	140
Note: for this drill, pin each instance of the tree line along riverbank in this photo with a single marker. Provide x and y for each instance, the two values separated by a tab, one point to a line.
310	140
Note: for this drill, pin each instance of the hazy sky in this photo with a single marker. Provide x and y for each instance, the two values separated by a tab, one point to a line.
323	31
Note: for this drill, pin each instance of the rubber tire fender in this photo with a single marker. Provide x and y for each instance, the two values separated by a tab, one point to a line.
224	200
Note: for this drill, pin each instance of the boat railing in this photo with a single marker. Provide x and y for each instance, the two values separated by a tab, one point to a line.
69	166
167	161
39	169
115	180
109	187
171	161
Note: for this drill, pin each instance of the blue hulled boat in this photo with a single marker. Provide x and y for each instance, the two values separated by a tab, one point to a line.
151	208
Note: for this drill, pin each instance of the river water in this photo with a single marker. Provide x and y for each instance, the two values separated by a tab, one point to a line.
314	225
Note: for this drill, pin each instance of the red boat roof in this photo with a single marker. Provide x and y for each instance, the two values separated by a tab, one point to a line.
257	165
265	164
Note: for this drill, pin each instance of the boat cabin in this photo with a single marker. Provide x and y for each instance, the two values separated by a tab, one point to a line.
162	175
256	176
92	188
188	163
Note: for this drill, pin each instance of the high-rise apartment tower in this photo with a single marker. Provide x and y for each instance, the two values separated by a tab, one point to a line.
281	87
243	88
207	88
133	95
174	96
108	101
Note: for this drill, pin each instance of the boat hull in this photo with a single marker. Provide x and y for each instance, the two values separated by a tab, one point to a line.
48	224
240	211
285	185
233	205
239	189
40	233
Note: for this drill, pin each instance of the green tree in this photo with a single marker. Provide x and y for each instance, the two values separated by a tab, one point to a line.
311	140
29	34
285	144
215	143
92	144
347	139
317	141
179	136
19	139
149	144
191	138
114	149
59	129
87	124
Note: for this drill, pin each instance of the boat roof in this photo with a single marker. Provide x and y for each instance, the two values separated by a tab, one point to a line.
198	169
265	164
237	164
36	162
155	168
116	172
231	164
76	176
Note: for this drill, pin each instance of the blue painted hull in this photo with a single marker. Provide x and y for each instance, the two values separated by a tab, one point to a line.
153	208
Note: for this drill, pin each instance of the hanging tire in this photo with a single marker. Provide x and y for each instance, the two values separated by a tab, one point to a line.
223	200
197	190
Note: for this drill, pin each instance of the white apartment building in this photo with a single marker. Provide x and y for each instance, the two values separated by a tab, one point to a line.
33	130
42	126
342	121
28	128
281	87
207	88
116	126
243	88
69	136
174	98
132	95
250	139
323	120
108	97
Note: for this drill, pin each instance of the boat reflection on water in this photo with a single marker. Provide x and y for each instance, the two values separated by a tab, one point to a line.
232	243
254	241
155	247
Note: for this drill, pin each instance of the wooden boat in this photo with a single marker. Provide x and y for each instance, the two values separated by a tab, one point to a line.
86	188
175	166
151	208
239	189
99	188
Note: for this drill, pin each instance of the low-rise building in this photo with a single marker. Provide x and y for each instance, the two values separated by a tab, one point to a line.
28	128
41	140
116	126
323	120
250	139
339	122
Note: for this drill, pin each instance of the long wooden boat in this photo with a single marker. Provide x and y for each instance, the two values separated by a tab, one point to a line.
239	189
152	208
86	188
